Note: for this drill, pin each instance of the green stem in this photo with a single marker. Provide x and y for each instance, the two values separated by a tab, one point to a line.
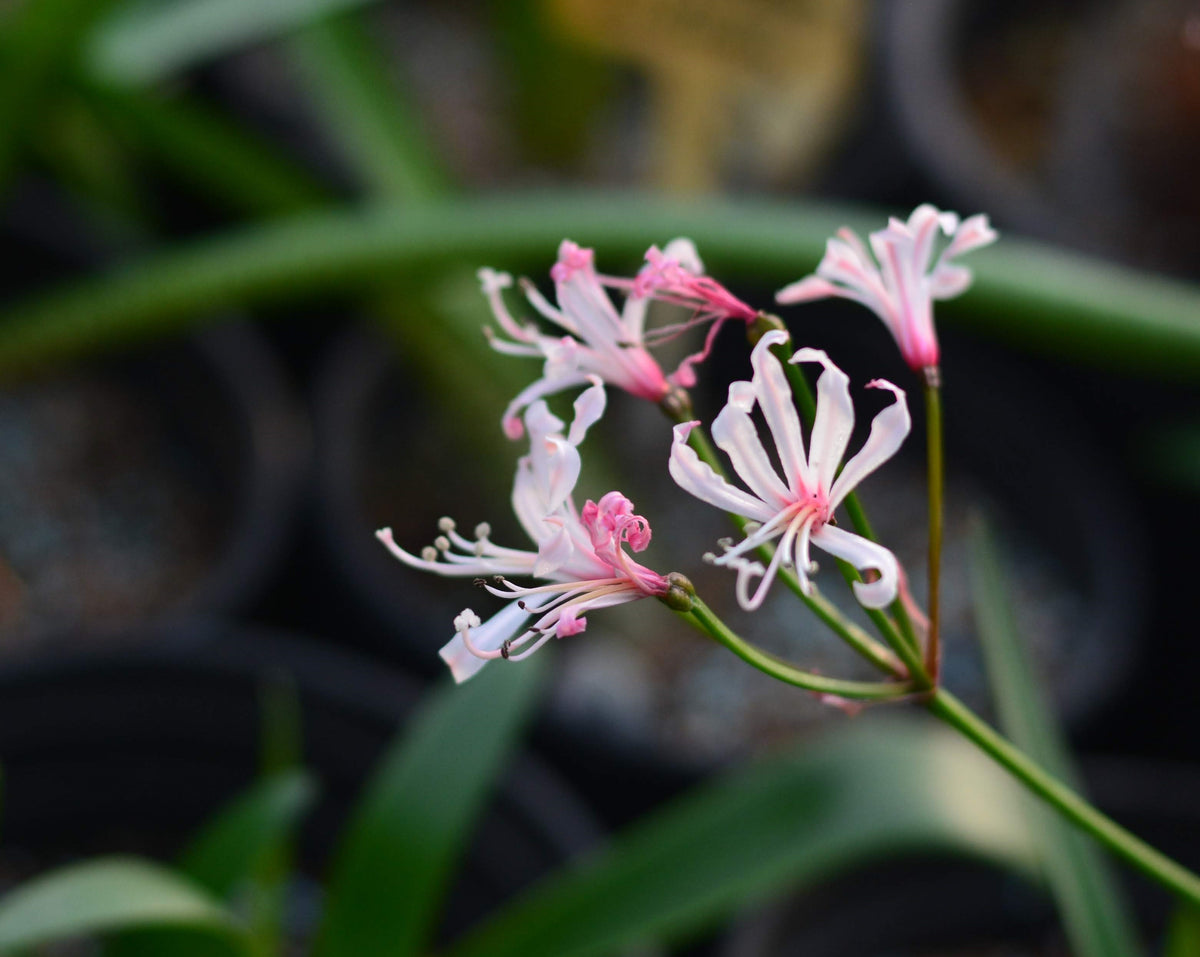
933	427
776	667
1126	846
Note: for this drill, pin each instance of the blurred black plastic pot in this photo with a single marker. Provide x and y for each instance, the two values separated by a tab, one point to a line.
152	484
645	689
130	750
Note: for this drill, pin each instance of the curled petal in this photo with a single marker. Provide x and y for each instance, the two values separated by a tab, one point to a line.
736	435
834	419
589	408
888	430
774	397
863	554
698	479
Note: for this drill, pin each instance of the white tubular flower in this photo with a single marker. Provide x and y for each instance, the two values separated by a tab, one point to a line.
579	554
796	506
898	284
598	340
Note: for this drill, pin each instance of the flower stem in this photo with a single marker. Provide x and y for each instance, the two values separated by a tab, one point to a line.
1125	845
933	431
776	667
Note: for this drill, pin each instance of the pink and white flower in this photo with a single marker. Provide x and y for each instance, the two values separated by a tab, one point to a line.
796	506
898	284
599	341
580	554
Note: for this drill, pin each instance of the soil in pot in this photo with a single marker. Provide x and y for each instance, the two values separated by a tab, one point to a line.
134	488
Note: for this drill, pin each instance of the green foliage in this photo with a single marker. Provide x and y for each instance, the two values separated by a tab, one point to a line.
415	819
870	792
1095	915
107	894
147	41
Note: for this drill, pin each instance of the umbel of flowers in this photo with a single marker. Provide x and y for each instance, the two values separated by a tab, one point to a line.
788	483
792	483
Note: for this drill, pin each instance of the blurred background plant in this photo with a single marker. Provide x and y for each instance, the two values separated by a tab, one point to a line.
286	174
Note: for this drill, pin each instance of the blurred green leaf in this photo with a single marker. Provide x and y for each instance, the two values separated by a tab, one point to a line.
109	894
869	792
1094	913
413	823
148	41
208	150
236	842
1029	294
39	41
1183	933
376	127
234	858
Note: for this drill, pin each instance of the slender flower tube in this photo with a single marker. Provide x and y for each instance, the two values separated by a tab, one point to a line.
898	283
598	340
796	507
579	554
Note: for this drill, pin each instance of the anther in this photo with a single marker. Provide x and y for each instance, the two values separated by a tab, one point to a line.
504	648
446	524
429	553
442	543
483	530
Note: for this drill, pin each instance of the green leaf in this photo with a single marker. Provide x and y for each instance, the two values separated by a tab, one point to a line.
1029	294
412	825
147	41
208	150
109	894
39	40
238	840
1094	913
380	133
872	791
1183	933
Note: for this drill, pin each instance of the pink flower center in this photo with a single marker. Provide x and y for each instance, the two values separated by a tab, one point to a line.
571	259
612	523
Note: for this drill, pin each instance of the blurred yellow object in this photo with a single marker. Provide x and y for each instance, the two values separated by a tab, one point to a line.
759	86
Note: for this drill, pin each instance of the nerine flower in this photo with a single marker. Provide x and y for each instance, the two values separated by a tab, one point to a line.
795	506
579	554
899	284
598	340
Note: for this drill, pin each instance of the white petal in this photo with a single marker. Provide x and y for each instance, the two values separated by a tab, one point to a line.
862	553
974	232
775	399
542	387
589	408
684	252
489	636
888	431
834	420
807	289
698	479
555	547
737	436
